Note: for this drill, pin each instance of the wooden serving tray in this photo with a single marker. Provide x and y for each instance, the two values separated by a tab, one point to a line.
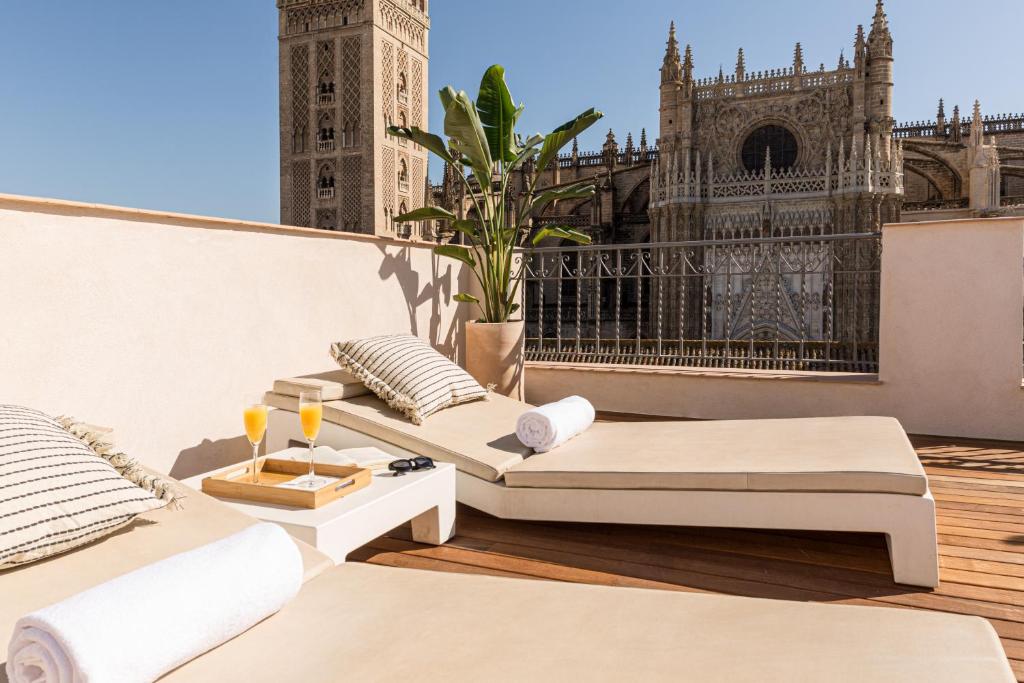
237	483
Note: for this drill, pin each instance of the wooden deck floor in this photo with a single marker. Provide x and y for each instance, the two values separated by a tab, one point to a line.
979	491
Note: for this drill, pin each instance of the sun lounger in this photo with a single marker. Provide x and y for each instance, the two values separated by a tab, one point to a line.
837	473
362	622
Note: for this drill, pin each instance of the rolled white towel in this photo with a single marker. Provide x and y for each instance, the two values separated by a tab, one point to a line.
552	424
141	625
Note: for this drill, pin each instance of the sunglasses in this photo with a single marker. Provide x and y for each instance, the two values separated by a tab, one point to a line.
404	466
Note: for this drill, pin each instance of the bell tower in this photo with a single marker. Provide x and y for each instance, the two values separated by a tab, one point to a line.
347	70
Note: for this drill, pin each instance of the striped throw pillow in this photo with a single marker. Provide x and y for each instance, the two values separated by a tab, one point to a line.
57	492
407	374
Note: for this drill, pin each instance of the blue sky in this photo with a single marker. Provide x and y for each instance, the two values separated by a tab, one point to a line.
173	105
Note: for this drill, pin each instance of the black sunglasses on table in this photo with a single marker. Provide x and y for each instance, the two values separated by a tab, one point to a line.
404	466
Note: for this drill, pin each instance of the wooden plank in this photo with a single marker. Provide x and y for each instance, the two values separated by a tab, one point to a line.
1001	569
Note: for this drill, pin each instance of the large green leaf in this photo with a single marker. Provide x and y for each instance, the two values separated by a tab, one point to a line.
527	150
456	252
427	213
497	114
421	137
462	125
561	232
571	192
559	137
466	299
467	227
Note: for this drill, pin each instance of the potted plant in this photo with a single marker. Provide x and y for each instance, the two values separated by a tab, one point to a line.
483	141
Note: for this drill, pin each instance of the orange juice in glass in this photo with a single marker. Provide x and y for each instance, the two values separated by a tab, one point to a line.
254	417
311	413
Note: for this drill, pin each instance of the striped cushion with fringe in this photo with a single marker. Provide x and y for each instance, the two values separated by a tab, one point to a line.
62	485
407	374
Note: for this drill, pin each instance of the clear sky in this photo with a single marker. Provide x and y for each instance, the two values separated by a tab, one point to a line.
173	105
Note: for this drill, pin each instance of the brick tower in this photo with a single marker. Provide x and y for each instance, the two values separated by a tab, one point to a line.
348	69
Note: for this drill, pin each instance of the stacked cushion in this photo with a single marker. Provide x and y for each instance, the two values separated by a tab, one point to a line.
333	386
57	492
407	374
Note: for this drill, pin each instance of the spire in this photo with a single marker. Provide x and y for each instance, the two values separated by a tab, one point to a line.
610	150
940	120
741	65
721	74
575	151
688	65
643	141
880	40
670	67
798	59
879	22
977	126
630	150
842	59
954	126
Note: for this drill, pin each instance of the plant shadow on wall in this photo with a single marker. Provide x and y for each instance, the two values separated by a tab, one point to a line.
487	152
397	263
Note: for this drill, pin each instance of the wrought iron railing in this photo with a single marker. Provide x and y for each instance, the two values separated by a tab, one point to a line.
792	303
937	204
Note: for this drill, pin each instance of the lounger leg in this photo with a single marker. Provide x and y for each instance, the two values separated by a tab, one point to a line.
913	547
436	525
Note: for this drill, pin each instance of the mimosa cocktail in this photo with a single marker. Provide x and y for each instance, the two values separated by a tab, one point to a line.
255	418
311	414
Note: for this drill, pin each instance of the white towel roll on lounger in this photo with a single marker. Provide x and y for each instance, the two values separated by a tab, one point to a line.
552	424
141	625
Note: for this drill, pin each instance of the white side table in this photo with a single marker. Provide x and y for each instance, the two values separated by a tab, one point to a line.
426	498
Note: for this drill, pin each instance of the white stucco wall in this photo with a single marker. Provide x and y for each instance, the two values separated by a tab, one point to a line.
950	348
158	324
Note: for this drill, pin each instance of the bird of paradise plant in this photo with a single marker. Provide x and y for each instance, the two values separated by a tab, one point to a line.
482	139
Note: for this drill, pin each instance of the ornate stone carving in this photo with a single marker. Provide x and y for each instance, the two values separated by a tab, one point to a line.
417	183
387	89
315	16
416	93
300	97
401	24
351	200
326	219
325	61
302	182
388	181
351	76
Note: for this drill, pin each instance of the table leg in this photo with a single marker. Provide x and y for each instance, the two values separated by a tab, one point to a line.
436	525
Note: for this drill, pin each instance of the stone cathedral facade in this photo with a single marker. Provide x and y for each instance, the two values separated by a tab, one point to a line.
349	69
793	150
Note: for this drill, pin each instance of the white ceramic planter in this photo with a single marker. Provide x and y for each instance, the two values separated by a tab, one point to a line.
494	355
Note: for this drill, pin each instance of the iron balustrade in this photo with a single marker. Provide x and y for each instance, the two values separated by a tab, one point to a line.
937	204
780	303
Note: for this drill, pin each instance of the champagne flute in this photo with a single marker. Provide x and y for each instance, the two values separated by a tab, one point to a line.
311	413
255	418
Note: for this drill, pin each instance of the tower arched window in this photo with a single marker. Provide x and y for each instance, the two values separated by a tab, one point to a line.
325	134
325	89
403	176
404	228
348	135
403	122
325	182
401	88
